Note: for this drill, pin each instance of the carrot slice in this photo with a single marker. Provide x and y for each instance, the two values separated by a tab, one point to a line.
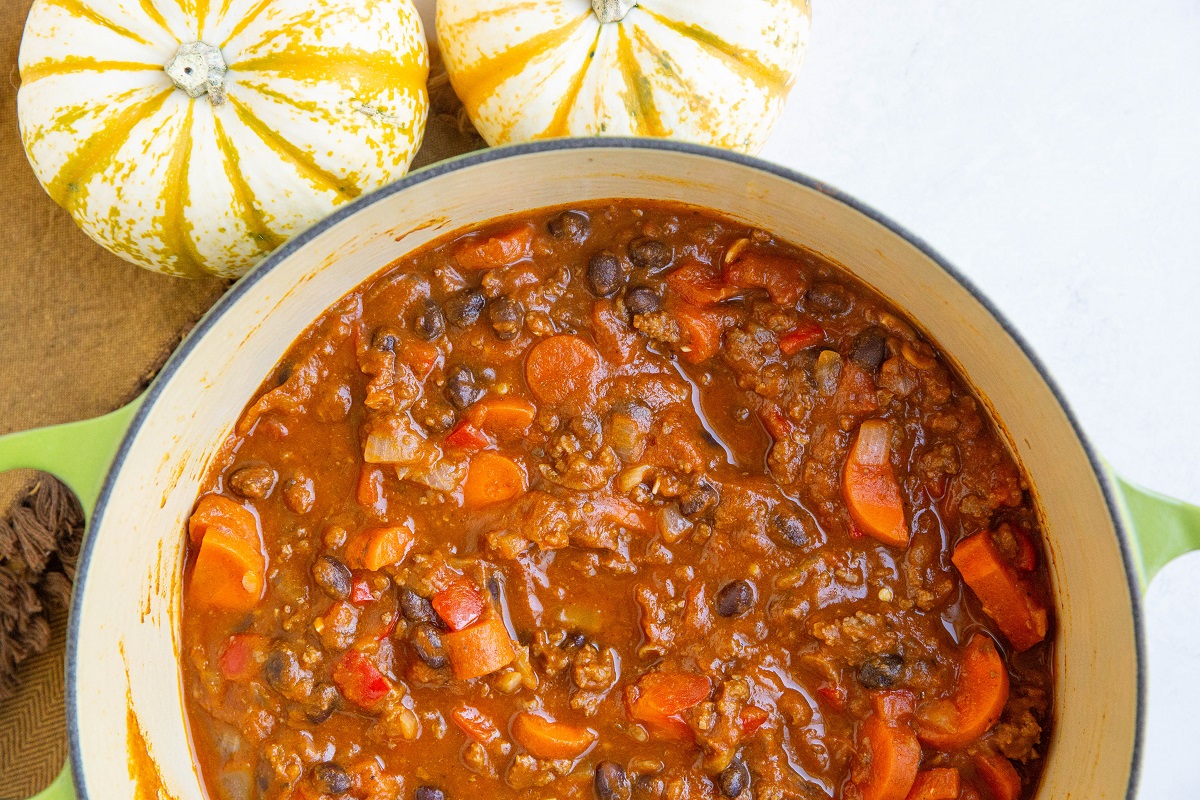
217	511
781	277
501	250
491	478
459	605
479	650
699	285
701	333
942	783
545	738
502	414
658	699
230	567
999	775
869	486
562	368
1005	596
476	724
888	748
376	548
979	697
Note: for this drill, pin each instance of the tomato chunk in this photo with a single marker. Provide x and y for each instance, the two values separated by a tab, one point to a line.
466	435
781	277
699	285
459	605
658	699
359	680
801	338
476	724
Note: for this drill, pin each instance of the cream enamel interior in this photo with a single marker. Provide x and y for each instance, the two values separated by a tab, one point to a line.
127	631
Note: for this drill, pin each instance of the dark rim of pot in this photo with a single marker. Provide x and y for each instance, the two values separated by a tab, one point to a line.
513	151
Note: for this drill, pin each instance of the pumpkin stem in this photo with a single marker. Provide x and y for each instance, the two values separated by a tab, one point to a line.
199	68
612	10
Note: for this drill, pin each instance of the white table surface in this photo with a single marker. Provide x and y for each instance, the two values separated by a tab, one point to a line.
1050	150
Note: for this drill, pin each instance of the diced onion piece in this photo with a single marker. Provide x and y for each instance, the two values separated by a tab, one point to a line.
672	524
628	479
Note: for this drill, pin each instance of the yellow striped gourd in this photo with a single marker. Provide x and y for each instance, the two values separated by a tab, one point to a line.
194	136
708	71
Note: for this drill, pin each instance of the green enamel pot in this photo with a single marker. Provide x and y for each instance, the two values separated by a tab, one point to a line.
138	470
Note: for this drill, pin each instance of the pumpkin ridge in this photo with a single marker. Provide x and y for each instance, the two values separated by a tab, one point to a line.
249	210
558	125
639	100
317	175
173	227
251	15
476	83
101	147
79	9
772	80
71	64
151	11
695	99
485	17
373	73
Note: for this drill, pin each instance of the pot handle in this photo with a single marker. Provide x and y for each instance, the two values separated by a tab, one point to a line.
79	454
1160	528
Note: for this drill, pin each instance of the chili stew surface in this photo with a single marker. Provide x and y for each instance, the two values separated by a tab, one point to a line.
618	501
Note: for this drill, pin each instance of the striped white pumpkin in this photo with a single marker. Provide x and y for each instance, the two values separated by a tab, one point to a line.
708	71
322	101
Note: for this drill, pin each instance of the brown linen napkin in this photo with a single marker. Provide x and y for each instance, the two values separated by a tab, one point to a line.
81	333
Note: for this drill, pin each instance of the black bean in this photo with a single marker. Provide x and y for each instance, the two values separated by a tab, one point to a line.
610	781
869	350
735	599
323	703
572	226
495	587
431	322
428	643
463	308
331	778
262	775
791	529
574	640
461	389
650	254
507	317
641	300
830	297
253	481
429	793
384	339
698	500
881	671
734	779
604	274
285	673
333	576
414	607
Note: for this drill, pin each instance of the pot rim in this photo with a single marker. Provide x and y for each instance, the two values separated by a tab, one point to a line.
489	155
